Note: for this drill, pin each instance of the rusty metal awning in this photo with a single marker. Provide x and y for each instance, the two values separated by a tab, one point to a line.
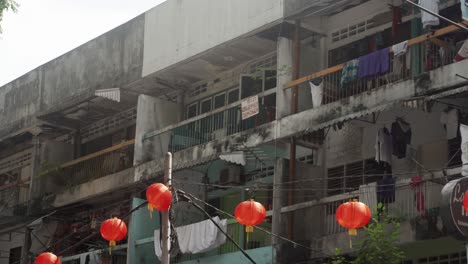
448	94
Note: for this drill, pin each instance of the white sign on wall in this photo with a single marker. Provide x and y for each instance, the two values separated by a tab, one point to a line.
250	107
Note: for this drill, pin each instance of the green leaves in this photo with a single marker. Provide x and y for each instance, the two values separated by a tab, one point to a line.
380	244
6	5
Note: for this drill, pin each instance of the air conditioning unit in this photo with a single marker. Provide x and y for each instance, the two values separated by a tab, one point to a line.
230	175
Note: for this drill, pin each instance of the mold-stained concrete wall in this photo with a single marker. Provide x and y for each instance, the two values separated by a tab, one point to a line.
113	59
179	29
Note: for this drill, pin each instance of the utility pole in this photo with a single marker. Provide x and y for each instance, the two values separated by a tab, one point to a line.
166	225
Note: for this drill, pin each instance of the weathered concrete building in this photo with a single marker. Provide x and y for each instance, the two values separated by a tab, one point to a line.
82	136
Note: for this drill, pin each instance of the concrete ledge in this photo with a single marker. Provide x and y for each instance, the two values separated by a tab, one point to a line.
95	188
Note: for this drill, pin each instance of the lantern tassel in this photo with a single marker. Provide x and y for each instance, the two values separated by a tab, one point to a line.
150	209
112	244
352	232
248	230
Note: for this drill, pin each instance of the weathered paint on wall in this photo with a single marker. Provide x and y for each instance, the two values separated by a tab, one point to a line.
199	26
113	59
139	227
153	114
295	124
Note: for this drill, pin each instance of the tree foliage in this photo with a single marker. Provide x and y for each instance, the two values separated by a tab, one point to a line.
380	244
6	5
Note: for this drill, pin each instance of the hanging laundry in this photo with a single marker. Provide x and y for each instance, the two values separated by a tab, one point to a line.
316	90
426	18
386	190
350	71
375	63
464	9
401	137
400	48
463	52
383	146
196	238
450	121
417	184
464	149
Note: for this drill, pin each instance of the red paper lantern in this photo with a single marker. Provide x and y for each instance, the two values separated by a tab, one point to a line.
159	197
47	258
113	230
353	215
250	214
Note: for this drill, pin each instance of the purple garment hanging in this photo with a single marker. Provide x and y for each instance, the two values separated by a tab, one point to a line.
374	63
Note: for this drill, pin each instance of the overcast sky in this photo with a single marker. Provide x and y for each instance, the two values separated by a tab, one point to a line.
42	30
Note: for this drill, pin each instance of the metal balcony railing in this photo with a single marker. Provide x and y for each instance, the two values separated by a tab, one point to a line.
213	125
425	53
406	202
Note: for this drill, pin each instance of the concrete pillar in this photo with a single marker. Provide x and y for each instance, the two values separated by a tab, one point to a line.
34	182
278	221
285	62
153	114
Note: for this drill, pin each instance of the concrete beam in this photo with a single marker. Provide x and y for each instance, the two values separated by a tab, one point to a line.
95	188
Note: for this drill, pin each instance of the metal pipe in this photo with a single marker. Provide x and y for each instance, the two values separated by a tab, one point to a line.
166	224
294	108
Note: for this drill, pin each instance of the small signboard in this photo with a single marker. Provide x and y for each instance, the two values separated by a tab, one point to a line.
250	107
453	214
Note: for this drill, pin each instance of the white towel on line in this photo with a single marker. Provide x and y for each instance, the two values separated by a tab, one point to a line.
196	238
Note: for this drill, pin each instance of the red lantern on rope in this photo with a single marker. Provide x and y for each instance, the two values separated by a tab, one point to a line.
353	215
250	214
47	258
113	230
465	201
159	197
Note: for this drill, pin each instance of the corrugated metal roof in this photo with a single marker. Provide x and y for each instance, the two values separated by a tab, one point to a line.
447	93
111	94
237	157
355	115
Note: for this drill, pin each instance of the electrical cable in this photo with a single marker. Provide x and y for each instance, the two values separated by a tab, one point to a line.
257	227
190	200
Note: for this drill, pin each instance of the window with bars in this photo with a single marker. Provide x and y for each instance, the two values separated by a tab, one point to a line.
349	177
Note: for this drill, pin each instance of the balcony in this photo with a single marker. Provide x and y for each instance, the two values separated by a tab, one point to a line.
214	125
91	167
424	54
415	205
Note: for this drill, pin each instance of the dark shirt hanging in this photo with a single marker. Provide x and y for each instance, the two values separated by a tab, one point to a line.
401	136
386	190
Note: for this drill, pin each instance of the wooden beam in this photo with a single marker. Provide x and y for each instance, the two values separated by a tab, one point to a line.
411	42
97	154
439	42
13	184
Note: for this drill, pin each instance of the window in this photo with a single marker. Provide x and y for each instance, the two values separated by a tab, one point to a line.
233	96
269	79
250	86
218	119
15	255
205	106
349	177
192	110
200	89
